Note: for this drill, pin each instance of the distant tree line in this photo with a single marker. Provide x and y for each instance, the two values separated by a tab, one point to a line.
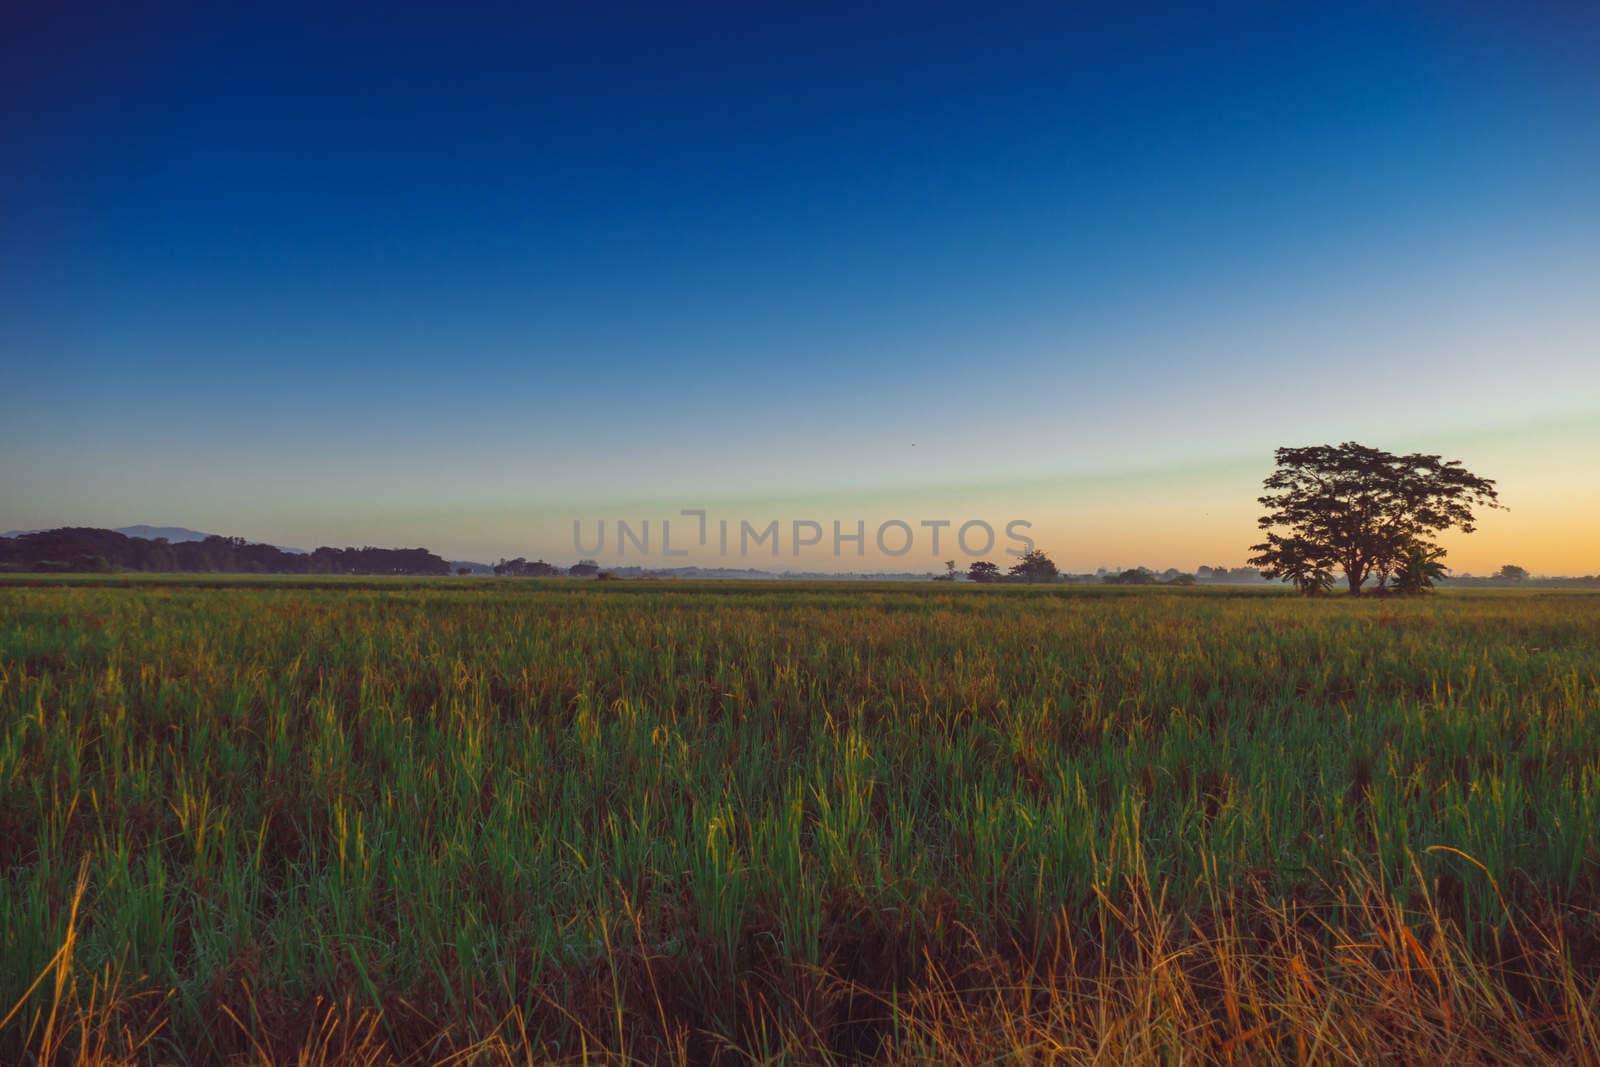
1221	573
521	568
1036	566
80	549
1146	576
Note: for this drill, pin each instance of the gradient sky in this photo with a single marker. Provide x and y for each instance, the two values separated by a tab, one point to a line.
455	278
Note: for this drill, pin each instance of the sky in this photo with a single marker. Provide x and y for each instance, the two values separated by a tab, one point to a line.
461	278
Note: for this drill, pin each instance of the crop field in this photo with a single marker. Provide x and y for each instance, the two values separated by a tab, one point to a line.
325	821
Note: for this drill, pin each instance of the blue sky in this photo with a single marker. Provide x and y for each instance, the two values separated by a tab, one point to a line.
403	275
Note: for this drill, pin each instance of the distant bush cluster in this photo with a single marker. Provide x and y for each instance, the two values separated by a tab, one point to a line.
1034	566
521	568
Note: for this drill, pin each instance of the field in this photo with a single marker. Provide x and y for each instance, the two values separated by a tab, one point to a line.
514	821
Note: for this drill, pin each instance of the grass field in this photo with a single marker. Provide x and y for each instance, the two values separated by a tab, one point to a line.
512	821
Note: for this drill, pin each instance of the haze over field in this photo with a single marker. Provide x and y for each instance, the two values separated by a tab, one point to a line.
407	278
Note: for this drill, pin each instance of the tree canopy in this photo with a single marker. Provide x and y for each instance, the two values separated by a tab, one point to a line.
1362	510
1034	566
983	571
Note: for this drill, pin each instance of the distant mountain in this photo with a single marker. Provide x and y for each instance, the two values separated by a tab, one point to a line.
171	533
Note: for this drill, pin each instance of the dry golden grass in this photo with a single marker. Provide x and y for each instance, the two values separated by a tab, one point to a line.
1249	984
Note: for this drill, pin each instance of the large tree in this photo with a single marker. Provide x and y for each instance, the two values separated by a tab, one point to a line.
1361	509
1035	566
983	571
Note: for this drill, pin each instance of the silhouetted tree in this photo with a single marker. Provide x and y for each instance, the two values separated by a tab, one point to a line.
1419	568
983	571
1299	561
1359	508
1512	572
1034	566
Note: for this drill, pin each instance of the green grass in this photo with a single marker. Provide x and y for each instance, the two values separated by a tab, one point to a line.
460	801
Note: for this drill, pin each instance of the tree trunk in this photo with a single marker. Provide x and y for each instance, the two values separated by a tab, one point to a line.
1353	575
